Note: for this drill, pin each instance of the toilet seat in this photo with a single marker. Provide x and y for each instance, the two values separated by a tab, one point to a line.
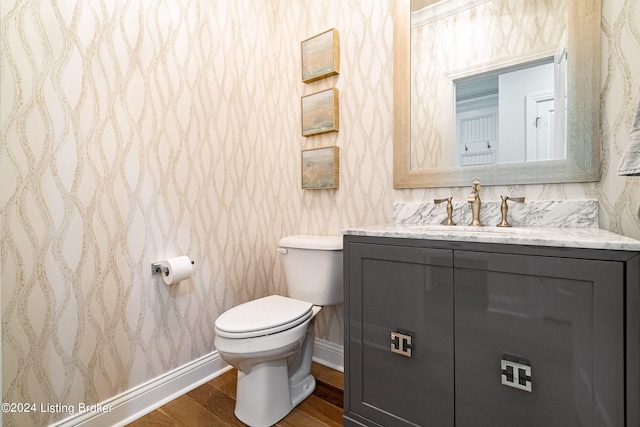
264	316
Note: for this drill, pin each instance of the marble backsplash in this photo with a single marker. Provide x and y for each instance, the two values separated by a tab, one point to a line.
531	213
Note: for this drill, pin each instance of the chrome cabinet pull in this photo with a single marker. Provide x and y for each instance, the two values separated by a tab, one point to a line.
401	343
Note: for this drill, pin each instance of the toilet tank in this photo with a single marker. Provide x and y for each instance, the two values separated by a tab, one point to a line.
313	268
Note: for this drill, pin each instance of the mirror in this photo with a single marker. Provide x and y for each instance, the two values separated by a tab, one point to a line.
425	150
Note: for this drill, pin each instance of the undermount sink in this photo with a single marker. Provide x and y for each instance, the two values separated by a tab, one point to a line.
475	229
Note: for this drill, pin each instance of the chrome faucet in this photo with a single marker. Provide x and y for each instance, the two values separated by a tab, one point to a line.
474	199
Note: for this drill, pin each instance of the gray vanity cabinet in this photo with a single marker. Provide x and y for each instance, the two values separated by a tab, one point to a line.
400	297
499	335
555	324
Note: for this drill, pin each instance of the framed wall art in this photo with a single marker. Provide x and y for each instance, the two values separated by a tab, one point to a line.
320	168
320	56
319	112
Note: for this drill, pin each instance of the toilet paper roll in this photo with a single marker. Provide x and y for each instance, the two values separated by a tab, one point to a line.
177	269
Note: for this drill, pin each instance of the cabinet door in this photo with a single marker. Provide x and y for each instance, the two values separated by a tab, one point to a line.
561	317
407	291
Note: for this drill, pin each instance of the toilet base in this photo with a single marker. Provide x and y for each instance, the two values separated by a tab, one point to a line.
255	410
273	388
251	406
302	390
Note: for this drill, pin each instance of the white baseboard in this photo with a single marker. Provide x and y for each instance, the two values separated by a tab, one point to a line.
138	401
329	354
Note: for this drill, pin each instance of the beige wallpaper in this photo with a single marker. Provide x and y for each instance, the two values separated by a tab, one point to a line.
137	130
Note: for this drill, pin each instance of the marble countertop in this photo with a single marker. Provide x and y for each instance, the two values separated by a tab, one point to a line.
569	237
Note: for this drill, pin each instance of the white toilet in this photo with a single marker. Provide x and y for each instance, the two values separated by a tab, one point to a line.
270	340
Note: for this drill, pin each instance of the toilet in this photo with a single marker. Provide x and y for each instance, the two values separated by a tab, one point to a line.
270	340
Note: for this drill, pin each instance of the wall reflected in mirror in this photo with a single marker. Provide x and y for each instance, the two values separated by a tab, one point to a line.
488	82
516	114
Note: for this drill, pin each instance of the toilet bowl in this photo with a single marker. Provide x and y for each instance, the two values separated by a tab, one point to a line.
270	340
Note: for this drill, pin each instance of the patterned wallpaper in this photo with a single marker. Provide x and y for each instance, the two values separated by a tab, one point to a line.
136	130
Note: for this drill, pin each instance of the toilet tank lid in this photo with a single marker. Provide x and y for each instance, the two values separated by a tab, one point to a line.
326	243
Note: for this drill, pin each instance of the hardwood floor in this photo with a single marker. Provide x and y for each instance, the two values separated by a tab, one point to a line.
212	404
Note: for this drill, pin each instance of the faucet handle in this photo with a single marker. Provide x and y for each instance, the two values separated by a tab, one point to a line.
504	208
475	185
449	209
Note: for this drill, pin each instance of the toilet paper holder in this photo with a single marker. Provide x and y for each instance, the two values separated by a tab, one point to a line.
157	268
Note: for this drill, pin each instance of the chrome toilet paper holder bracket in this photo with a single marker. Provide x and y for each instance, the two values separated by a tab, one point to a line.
157	268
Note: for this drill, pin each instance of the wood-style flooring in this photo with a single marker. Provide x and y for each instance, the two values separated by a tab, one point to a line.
212	404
